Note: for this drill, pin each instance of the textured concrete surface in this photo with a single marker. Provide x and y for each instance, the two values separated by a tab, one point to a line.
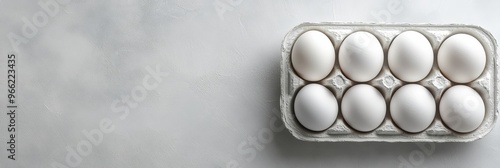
189	84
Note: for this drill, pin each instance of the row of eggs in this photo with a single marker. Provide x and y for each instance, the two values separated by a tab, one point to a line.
412	108
461	57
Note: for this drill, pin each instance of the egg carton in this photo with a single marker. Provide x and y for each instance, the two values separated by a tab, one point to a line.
387	83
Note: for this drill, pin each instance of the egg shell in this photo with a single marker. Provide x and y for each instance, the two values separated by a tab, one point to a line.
315	107
410	56
462	108
363	107
313	55
413	108
361	56
461	58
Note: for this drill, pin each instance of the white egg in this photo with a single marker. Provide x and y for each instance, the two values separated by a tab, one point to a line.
461	58
361	56
410	56
315	107
363	107
462	109
413	108
313	55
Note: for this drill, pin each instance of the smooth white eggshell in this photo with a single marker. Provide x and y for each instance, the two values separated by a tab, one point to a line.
313	55
462	109
361	56
315	107
410	56
461	58
413	108
363	107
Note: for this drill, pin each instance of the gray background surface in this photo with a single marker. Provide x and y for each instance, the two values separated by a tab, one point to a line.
221	92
